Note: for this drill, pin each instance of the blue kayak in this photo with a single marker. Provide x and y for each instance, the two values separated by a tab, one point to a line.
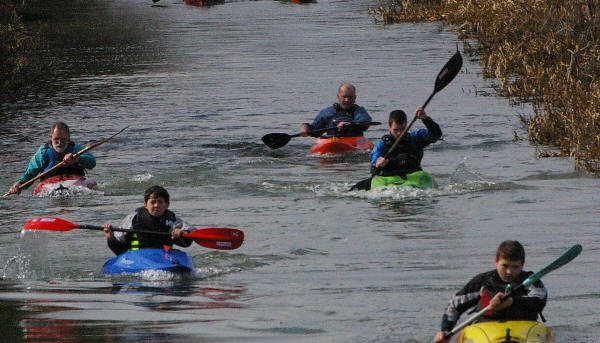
135	261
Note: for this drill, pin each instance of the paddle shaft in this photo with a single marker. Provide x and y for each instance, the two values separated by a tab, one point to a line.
397	141
277	140
100	228
565	258
373	123
58	165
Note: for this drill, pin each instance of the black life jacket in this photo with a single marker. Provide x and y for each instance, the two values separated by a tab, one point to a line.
144	221
491	287
343	115
405	159
52	158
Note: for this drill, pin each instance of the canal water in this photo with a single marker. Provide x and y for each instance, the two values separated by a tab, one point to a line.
198	87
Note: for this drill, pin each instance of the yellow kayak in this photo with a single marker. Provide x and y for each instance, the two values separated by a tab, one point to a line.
512	331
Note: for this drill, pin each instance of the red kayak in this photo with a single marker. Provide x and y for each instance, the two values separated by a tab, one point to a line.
340	145
203	3
63	183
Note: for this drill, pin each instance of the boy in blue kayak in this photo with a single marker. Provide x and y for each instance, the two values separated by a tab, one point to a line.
407	155
489	287
345	117
153	216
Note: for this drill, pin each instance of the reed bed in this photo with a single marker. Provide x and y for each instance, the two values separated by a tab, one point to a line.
20	46
546	52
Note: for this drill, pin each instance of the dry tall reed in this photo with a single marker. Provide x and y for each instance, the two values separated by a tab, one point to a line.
543	51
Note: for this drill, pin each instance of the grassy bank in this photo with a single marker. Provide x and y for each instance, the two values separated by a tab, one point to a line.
546	52
20	45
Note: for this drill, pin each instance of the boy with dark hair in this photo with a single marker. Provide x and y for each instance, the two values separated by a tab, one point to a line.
406	157
153	216
489	287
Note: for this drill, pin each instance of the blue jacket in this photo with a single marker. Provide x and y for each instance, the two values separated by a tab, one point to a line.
40	160
406	157
330	116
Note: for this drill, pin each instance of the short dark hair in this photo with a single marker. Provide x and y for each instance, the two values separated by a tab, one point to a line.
61	125
397	116
511	250
158	192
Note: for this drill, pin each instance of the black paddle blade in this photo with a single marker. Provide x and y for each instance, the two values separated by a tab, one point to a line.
276	140
448	72
363	185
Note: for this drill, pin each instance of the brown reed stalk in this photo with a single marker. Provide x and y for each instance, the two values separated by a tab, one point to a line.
543	51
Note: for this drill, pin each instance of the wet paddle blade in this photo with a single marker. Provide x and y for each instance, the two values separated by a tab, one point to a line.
49	223
217	238
276	140
559	262
363	185
448	72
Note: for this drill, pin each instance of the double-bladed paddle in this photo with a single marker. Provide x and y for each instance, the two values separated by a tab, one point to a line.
58	165
214	237
567	257
444	77
276	140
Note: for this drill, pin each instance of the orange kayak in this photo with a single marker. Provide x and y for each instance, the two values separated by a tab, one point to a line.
62	183
340	145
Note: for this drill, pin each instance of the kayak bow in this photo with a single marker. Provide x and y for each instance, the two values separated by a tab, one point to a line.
135	261
340	145
512	331
63	183
419	179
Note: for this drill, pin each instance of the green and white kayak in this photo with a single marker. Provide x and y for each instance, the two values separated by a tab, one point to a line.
418	179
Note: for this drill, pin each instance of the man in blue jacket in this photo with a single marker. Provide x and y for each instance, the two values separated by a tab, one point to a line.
345	117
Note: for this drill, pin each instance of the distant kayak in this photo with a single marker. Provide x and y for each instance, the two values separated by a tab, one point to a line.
204	3
418	179
340	145
513	331
135	261
63	183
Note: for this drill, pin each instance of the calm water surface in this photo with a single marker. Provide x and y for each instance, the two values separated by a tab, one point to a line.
198	87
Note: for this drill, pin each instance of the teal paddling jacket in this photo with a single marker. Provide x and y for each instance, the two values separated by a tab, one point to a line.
40	161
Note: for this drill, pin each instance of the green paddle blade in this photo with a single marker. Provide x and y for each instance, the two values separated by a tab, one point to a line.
559	262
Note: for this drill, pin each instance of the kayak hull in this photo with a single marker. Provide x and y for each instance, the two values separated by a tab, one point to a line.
418	179
340	145
135	261
63	183
512	331
204	3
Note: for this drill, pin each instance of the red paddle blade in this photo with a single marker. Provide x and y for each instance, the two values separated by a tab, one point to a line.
49	223
217	238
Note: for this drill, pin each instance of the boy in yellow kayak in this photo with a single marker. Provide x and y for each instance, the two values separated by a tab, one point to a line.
489	287
153	216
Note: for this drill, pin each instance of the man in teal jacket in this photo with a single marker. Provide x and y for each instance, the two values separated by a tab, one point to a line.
58	149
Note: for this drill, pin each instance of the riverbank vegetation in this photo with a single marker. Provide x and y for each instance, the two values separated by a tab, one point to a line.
20	45
546	52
